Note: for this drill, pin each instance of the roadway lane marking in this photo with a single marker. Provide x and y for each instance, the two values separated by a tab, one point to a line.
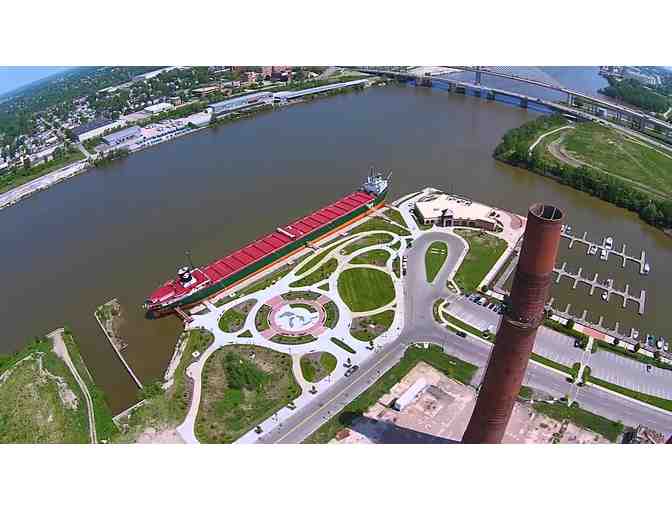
336	397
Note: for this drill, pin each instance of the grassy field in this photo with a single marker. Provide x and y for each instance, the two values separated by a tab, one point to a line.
368	328
380	224
40	401
233	319
240	392
364	289
14	178
321	273
607	428
167	409
317	365
105	427
395	216
453	367
373	257
435	256
316	259
484	250
614	153
367	241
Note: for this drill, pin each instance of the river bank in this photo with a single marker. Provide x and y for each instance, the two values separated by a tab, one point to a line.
594	170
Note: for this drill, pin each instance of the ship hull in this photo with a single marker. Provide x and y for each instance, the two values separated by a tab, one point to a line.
264	263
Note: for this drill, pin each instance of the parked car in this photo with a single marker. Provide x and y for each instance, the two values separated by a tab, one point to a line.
351	370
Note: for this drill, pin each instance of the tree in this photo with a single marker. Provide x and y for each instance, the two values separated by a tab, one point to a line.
26	164
636	347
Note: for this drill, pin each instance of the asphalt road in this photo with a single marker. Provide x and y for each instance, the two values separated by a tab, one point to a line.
420	326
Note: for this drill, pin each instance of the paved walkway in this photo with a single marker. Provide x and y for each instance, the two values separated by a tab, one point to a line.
323	342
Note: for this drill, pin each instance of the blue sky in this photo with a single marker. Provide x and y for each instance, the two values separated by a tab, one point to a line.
14	77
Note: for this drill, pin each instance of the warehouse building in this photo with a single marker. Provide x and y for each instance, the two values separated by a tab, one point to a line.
96	128
239	103
122	136
158	108
294	94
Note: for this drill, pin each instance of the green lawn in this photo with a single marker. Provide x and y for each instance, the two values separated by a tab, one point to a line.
380	224
618	155
331	314
435	256
371	327
484	250
318	365
395	216
585	419
364	289
231	320
293	340
367	241
373	257
321	273
316	259
453	367
12	179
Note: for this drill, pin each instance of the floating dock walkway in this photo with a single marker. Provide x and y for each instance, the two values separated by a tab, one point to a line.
641	260
594	283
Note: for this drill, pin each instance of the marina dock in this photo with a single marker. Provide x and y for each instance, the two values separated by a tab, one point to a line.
640	261
594	283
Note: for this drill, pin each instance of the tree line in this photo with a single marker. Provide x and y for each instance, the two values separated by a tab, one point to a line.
514	149
636	94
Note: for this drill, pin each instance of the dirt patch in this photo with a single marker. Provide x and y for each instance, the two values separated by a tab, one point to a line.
440	413
152	436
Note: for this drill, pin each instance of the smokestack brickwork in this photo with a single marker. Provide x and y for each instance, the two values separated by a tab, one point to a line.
518	329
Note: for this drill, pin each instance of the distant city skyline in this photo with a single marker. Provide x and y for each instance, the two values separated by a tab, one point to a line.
12	78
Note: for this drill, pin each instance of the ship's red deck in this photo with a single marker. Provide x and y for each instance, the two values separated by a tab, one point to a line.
264	246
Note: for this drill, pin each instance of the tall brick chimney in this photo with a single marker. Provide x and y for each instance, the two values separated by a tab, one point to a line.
515	338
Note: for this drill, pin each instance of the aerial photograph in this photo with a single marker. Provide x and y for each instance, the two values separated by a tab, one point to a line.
480	270
344	253
363	254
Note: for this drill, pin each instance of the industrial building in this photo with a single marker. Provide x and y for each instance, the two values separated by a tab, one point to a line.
96	128
239	103
294	94
122	136
158	108
446	210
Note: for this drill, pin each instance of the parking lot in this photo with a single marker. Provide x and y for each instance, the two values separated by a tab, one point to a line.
631	374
